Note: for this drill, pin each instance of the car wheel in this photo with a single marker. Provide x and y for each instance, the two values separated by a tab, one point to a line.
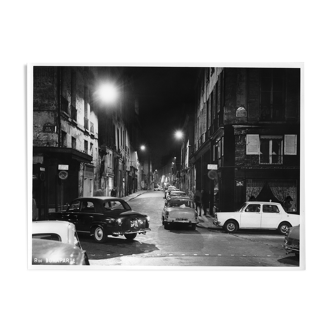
284	228
130	236
99	234
231	226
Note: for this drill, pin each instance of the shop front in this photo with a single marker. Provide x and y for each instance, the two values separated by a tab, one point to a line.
58	178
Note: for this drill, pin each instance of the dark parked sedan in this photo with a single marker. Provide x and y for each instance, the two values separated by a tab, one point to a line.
104	216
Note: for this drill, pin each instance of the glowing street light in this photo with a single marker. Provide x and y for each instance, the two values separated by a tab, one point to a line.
107	93
143	147
179	134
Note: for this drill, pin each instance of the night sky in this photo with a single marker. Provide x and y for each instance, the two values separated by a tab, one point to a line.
165	95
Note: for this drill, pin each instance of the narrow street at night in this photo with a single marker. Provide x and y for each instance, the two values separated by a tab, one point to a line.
181	246
226	138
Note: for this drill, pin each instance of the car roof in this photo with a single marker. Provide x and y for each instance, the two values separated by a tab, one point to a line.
262	202
98	198
180	198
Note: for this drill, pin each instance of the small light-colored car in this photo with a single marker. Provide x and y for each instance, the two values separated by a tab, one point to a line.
179	210
50	252
57	230
257	215
169	189
292	241
175	193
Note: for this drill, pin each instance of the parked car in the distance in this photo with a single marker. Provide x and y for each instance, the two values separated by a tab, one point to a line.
175	193
169	189
50	252
102	216
257	215
179	210
292	241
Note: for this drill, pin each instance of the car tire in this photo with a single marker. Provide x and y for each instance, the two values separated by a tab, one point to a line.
231	226
99	234
130	237
284	227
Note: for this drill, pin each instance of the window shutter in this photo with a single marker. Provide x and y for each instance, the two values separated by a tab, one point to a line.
253	146
290	145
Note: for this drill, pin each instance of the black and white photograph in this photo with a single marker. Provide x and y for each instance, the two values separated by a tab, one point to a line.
166	166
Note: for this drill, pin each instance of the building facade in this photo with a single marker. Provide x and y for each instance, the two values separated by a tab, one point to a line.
247	136
81	146
65	136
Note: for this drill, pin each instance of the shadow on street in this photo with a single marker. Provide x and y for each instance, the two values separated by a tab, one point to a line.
115	247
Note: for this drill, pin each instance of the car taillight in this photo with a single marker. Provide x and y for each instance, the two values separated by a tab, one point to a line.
119	221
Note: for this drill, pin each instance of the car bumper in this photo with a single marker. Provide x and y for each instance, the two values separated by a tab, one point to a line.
291	246
175	221
217	223
131	231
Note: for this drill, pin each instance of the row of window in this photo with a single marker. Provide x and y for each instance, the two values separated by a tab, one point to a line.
278	90
64	142
269	148
266	208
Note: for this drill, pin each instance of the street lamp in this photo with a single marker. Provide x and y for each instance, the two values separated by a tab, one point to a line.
178	134
143	148
107	93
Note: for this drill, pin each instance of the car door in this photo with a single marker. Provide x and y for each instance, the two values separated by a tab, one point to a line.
71	214
251	216
270	216
86	215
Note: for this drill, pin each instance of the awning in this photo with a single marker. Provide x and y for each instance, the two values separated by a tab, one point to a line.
62	152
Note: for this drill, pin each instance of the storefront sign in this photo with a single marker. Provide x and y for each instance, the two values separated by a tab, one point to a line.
63	175
63	167
212	166
49	128
239	183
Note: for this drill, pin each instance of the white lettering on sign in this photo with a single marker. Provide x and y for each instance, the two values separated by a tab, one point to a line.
63	167
212	166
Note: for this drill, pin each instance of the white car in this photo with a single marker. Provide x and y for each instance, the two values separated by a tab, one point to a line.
175	193
179	210
56	230
257	215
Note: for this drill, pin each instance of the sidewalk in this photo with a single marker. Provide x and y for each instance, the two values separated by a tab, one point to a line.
134	195
207	222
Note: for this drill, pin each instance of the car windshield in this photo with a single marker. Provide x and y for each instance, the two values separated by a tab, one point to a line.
112	205
181	204
177	193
